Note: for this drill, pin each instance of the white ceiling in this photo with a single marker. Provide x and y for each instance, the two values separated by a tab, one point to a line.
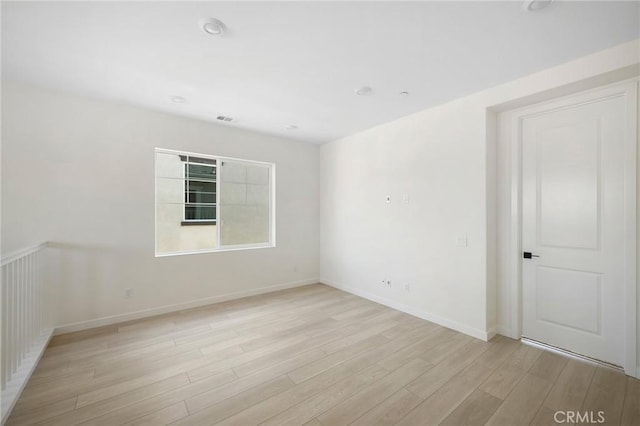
283	63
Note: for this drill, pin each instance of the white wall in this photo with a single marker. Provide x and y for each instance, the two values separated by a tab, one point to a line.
437	158
79	173
444	159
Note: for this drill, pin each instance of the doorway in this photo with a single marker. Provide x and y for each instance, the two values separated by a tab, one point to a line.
572	244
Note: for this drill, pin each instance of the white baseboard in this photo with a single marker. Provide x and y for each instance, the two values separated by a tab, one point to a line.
14	388
503	330
445	322
493	331
114	319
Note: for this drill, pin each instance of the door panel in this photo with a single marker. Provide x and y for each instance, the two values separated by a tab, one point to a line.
573	218
556	296
569	190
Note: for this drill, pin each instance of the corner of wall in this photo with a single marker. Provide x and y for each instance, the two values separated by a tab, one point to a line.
445	322
491	217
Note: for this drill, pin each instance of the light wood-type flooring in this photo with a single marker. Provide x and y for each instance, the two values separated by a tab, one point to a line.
312	355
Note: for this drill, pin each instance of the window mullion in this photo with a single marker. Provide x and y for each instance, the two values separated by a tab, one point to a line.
186	189
219	219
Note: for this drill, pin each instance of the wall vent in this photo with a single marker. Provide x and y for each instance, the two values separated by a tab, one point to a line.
223	118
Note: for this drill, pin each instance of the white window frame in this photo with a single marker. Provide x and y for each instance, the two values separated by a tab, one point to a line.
219	219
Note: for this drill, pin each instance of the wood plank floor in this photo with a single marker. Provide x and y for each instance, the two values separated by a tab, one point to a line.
312	355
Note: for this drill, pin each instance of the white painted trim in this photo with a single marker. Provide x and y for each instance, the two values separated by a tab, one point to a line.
10	257
505	331
491	333
570	354
510	125
19	380
216	250
114	319
630	224
210	156
445	322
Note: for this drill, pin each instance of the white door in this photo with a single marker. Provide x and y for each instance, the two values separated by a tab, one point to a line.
573	218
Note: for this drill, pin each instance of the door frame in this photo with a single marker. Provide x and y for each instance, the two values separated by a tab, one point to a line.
510	132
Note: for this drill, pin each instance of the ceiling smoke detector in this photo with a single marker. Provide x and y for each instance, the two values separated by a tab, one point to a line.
224	118
213	26
535	5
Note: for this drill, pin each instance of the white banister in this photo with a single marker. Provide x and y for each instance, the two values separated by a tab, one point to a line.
24	333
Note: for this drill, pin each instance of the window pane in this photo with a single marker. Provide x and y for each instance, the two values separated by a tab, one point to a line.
167	228
169	165
173	193
173	237
199	160
169	190
201	192
199	212
201	172
245	204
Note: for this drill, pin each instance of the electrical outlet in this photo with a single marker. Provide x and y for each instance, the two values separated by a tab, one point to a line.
388	199
388	283
128	292
384	281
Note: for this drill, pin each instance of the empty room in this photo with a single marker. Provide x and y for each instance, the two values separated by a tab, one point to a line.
320	213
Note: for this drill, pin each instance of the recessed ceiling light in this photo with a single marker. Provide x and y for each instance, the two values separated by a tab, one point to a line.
291	127
364	91
535	5
212	26
404	93
178	99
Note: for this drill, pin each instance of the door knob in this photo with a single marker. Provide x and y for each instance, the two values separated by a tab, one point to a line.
528	255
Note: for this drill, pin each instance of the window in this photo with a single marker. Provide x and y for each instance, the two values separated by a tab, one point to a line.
199	191
209	203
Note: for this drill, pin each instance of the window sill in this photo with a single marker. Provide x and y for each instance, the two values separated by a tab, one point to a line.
197	223
219	250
